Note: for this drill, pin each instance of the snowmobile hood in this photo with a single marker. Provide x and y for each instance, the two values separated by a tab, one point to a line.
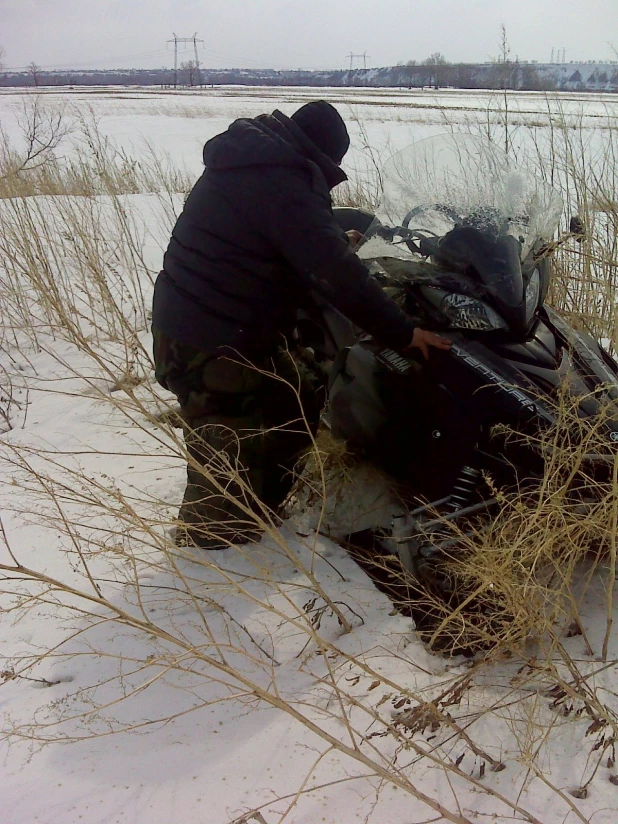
269	140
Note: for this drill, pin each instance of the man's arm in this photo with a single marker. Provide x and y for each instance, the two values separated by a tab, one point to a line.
421	339
300	223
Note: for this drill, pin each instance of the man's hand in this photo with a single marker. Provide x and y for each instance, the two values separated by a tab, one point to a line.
423	340
354	238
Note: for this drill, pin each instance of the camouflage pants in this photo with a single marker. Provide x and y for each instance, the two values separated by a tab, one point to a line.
244	434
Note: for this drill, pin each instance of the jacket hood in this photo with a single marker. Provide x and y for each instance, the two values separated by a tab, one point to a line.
268	140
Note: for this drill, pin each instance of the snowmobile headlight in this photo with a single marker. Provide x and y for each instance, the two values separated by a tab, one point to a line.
533	290
468	313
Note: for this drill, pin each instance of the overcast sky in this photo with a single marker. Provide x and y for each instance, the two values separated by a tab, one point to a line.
300	33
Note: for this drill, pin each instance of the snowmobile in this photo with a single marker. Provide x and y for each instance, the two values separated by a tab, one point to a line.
462	241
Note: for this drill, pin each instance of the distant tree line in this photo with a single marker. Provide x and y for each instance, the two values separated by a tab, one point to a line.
516	76
434	71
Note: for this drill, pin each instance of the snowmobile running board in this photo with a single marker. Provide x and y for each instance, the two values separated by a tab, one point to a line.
431	526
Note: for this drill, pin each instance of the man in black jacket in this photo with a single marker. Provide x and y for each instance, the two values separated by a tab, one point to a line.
256	234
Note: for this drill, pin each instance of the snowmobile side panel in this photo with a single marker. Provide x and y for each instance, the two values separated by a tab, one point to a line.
540	350
356	411
511	385
595	365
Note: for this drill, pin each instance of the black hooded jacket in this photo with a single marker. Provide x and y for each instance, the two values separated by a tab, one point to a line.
256	233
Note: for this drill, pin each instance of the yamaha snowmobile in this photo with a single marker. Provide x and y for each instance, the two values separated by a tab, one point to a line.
462	241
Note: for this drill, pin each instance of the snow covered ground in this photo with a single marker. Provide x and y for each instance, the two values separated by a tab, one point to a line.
179	123
275	677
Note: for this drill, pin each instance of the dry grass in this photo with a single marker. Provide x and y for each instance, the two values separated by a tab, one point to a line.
586	286
64	153
524	561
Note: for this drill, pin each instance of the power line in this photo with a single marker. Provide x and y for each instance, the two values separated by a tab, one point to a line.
358	57
103	62
186	40
84	63
241	61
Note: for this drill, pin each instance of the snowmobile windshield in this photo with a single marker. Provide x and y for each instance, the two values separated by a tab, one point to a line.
466	204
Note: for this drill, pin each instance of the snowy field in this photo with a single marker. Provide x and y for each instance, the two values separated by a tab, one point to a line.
178	123
276	678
